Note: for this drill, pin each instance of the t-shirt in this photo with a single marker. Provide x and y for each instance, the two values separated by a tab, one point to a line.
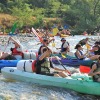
66	44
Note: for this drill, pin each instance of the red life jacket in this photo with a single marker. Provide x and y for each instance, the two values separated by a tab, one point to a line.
16	52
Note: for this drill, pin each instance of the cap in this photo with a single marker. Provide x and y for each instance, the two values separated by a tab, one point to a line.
63	39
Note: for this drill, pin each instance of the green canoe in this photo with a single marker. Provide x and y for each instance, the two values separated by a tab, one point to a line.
79	83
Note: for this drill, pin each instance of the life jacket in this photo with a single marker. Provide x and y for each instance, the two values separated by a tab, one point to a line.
16	52
95	77
81	55
45	67
62	48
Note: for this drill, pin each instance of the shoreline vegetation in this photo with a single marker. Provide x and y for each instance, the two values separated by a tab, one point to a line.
78	16
7	21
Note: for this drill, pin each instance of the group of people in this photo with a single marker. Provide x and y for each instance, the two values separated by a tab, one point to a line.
92	54
44	65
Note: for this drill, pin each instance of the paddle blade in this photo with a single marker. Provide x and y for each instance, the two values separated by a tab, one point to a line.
63	55
53	44
14	27
84	69
36	34
55	31
88	46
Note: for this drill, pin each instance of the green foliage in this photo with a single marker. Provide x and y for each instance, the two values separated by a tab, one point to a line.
23	14
80	15
38	22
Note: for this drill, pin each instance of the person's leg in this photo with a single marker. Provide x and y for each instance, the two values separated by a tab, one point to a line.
63	74
57	75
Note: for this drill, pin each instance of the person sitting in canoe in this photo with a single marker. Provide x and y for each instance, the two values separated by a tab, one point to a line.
83	41
79	54
65	46
93	50
44	44
97	43
45	67
6	56
95	71
17	50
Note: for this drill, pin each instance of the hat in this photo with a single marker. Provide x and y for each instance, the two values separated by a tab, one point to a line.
63	39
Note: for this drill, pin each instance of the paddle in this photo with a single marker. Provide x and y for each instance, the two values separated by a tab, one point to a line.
53	45
60	62
55	31
36	34
6	46
62	65
88	46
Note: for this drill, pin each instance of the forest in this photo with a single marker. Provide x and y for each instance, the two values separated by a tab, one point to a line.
77	15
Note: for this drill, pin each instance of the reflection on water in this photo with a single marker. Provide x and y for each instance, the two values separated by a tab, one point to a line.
15	90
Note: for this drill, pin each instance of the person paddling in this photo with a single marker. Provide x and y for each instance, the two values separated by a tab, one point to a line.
65	47
79	54
17	50
45	67
95	71
83	41
45	43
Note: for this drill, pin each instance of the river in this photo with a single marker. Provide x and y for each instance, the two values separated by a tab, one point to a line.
16	90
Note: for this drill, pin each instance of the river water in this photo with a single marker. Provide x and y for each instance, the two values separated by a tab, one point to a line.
15	90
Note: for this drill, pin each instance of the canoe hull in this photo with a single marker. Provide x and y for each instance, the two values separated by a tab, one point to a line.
82	86
8	63
73	62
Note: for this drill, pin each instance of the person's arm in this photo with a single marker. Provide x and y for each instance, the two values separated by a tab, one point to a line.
92	73
80	56
51	40
16	43
45	54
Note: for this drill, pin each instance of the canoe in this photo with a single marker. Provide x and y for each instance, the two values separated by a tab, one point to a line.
14	63
73	62
79	83
8	63
63	35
